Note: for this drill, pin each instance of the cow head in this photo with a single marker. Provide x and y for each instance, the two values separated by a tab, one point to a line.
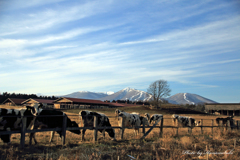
117	111
147	116
197	123
35	109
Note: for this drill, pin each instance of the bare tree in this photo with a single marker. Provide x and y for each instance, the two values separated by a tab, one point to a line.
158	89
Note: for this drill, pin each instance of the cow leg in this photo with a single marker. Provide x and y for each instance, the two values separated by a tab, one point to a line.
52	135
83	133
103	133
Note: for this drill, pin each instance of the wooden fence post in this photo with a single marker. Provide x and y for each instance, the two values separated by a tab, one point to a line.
154	125
122	128
177	127
143	129
95	129
201	126
161	129
64	126
228	125
212	127
190	126
23	130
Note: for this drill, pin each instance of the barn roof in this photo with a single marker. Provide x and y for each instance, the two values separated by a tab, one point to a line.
46	101
89	101
15	101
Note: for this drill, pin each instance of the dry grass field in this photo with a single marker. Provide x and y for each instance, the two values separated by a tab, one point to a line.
220	145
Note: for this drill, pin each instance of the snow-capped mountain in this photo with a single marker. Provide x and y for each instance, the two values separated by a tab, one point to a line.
188	98
88	95
128	94
137	95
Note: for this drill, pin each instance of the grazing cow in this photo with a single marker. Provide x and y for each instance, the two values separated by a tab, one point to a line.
225	120
52	119
11	119
155	117
130	120
184	121
102	121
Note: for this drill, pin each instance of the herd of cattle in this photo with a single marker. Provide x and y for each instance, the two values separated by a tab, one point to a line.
37	118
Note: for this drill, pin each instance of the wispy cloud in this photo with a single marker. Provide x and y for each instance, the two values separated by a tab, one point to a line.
60	46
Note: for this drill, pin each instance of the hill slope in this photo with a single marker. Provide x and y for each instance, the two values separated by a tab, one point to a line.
188	98
86	95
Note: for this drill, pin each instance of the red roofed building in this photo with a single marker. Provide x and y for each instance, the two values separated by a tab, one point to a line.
71	103
47	103
14	101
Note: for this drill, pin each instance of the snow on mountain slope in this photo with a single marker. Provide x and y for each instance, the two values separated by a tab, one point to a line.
128	94
87	95
188	98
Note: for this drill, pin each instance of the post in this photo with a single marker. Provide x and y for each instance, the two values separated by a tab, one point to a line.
95	129
228	125
237	125
177	129
143	129
64	126
201	126
190	126
161	128
212	127
23	130
122	128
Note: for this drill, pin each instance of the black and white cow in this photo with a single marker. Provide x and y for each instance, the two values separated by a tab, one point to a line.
225	120
155	117
11	119
102	121
130	120
184	121
52	119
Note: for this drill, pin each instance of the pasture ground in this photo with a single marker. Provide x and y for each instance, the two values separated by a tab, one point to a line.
222	145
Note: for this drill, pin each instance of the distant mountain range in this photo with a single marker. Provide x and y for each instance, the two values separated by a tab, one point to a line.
137	95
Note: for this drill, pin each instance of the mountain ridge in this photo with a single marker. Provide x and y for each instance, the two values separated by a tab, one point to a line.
132	94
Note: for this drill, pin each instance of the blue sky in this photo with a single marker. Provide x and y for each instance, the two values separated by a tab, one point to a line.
57	47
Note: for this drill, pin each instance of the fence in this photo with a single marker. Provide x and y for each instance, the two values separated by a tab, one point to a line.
64	128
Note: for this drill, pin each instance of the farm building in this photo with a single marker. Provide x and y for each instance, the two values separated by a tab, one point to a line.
71	103
228	109
14	101
47	103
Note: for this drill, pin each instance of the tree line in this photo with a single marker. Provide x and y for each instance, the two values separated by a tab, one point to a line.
6	95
